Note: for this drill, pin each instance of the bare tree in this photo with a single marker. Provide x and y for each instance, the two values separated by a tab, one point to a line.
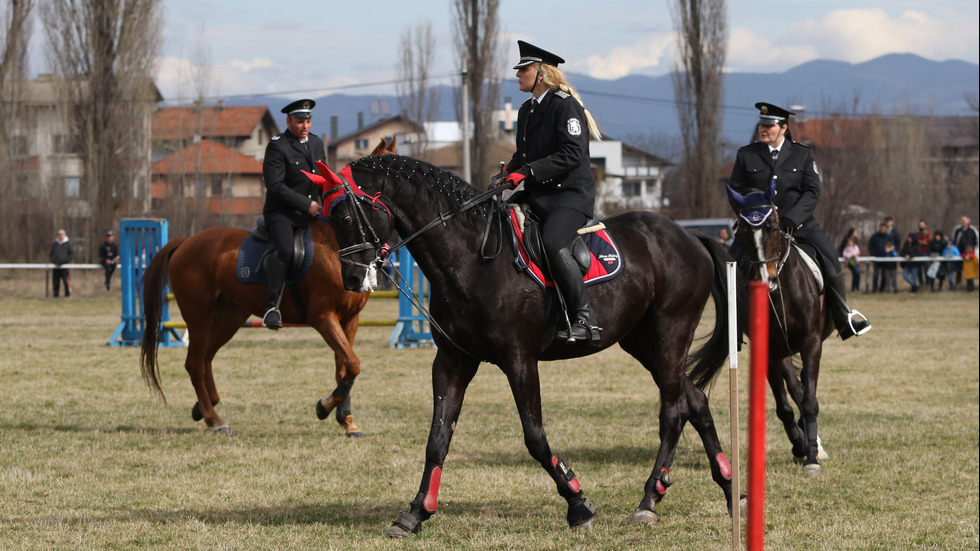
105	50
15	26
475	34
702	34
417	100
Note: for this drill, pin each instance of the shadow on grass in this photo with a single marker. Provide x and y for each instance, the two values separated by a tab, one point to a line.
123	429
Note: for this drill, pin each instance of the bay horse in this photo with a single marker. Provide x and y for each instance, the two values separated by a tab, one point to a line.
482	311
215	304
799	320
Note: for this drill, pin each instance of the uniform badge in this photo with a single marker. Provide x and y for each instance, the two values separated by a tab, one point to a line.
574	127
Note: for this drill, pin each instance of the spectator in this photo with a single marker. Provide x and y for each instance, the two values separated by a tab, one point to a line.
60	255
937	269
895	238
109	257
911	270
851	232
876	248
725	237
950	251
889	270
965	237
851	252
923	237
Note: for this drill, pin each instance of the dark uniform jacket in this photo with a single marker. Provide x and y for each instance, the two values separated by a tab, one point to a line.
287	190
554	141
797	181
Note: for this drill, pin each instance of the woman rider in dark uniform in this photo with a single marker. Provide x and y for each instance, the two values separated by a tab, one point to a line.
552	161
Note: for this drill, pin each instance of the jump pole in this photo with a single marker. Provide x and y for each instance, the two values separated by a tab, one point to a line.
733	338
759	364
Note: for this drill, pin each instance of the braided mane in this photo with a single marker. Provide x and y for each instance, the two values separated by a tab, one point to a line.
446	188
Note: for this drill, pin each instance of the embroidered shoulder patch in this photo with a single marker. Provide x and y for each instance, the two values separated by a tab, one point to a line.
562	94
574	127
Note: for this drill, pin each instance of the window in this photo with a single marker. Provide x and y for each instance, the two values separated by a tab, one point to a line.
200	188
18	147
631	189
73	186
216	187
65	145
361	144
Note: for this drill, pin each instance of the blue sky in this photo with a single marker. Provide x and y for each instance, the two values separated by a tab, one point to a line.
312	48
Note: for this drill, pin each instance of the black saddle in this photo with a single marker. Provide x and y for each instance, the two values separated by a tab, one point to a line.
534	245
261	234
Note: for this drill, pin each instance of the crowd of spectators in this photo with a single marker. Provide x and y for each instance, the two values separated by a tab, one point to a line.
927	258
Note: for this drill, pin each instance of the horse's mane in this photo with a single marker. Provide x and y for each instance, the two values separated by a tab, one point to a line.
446	188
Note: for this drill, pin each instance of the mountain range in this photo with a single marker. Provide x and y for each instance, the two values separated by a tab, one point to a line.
894	84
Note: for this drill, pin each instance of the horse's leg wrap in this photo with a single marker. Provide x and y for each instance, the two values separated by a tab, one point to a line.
405	524
724	466
337	397
662	481
569	477
431	500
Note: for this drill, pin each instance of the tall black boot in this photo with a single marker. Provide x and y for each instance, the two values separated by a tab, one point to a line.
844	318
275	274
568	278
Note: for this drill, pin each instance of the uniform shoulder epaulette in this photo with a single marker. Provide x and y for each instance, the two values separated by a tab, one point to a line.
562	94
274	138
802	145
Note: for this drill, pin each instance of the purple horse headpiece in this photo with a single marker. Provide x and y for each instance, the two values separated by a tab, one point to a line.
755	207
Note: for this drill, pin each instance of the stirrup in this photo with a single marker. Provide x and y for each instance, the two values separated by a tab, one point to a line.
850	322
272	319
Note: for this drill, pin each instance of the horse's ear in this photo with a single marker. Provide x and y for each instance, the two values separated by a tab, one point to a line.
734	197
391	147
331	178
771	192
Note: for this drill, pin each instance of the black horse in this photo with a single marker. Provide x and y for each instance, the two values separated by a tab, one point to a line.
483	311
799	320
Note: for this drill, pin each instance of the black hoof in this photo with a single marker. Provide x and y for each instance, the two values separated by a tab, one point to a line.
196	412
405	525
581	514
321	412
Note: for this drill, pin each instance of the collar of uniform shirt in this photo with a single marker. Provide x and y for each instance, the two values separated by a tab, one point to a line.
541	97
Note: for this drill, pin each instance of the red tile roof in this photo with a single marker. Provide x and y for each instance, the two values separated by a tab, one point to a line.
207	157
181	123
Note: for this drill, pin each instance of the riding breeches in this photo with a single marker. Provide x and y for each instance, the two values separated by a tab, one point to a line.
559	228
281	239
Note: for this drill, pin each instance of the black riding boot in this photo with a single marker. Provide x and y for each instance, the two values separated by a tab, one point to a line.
568	278
841	312
275	274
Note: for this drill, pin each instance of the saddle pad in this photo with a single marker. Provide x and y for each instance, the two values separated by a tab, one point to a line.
808	258
249	259
606	262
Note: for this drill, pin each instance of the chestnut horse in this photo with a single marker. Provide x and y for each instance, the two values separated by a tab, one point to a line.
215	305
482	311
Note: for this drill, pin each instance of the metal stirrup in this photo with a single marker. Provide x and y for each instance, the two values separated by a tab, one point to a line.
850	321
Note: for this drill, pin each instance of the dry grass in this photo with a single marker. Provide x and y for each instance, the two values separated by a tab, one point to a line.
91	460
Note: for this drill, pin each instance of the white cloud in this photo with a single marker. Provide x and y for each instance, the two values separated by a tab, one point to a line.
248	66
651	52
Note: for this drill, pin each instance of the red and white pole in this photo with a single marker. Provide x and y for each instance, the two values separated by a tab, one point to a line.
758	368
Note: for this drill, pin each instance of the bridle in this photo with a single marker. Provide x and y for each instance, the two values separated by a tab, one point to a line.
370	240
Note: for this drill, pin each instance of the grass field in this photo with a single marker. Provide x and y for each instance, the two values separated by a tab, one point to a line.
90	459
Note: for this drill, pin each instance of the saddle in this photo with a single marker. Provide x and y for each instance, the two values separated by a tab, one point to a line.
593	249
248	263
811	258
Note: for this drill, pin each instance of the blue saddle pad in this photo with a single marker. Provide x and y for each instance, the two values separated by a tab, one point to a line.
248	263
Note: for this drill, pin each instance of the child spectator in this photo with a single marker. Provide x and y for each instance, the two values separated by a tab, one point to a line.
851	252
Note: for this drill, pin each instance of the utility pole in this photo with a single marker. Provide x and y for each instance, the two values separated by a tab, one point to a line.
466	127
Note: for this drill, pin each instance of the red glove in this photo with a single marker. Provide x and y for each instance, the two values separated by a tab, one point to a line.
498	178
514	178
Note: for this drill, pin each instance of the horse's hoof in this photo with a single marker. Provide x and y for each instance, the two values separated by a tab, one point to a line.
196	412
643	516
405	525
587	525
321	412
395	531
355	434
581	514
223	429
813	469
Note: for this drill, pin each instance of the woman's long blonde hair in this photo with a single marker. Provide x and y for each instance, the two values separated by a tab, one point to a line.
555	80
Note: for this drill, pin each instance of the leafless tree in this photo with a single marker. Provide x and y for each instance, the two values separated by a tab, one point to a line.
702	34
418	101
105	50
15	28
475	34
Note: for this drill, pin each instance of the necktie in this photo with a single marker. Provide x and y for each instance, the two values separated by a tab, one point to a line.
775	154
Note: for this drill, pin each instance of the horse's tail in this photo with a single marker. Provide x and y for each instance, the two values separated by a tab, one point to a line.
705	362
155	280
